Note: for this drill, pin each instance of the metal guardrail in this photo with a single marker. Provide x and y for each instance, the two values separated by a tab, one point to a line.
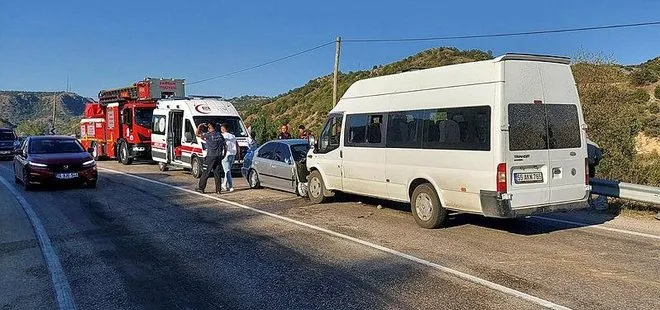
642	193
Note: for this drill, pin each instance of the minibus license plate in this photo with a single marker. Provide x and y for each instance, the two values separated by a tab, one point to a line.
66	176
528	177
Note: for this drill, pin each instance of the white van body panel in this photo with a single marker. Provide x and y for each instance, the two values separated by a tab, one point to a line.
463	178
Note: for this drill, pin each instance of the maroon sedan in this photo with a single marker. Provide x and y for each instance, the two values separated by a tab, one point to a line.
54	160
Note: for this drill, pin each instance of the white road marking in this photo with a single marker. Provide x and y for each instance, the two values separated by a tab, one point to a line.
597	226
61	286
462	275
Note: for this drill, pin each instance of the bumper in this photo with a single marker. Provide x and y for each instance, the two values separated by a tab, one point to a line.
46	177
493	205
6	153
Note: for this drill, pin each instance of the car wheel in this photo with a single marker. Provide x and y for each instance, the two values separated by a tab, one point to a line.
163	167
26	181
426	207
301	189
316	190
124	156
253	179
196	169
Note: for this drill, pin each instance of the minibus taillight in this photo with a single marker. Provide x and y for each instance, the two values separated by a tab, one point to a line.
586	171
501	178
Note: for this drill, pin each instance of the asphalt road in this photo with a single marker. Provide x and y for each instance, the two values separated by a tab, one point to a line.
137	244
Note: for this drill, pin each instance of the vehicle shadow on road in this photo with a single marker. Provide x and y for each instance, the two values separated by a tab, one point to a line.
522	226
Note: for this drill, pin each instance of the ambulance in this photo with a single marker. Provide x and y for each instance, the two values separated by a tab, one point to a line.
173	137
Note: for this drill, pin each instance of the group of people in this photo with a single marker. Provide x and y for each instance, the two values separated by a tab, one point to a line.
303	133
221	150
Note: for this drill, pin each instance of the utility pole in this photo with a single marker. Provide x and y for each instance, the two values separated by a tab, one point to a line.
52	129
336	76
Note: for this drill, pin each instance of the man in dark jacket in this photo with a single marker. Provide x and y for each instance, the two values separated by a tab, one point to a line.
215	152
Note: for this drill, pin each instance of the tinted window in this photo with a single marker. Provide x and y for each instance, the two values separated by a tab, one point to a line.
527	129
543	126
143	117
49	146
299	151
364	129
563	126
457	129
404	129
190	131
282	152
7	135
329	139
267	151
357	129
158	125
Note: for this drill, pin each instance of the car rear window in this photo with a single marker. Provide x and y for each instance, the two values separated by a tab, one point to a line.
543	126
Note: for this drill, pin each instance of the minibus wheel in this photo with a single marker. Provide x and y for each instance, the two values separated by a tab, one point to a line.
162	166
316	188
426	207
196	169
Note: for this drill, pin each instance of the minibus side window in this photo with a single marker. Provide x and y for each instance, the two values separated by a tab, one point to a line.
190	132
457	129
364	130
404	129
329	139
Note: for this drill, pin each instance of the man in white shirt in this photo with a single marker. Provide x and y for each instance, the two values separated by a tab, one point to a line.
232	150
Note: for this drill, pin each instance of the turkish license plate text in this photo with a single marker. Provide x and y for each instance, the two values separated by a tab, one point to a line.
66	176
528	177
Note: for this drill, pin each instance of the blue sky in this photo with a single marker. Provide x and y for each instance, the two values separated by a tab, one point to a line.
107	44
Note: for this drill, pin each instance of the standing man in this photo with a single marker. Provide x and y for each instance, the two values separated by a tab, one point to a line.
215	152
284	133
232	149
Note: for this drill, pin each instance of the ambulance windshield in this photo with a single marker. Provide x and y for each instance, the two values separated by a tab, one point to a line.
234	123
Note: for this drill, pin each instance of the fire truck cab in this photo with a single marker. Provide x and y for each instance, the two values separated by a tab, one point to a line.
119	124
175	121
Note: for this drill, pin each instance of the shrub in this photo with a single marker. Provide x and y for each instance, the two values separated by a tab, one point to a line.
657	92
643	77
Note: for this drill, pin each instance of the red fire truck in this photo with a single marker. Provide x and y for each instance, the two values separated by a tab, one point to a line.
119	124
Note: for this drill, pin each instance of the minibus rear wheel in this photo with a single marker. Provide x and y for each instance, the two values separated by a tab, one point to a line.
426	207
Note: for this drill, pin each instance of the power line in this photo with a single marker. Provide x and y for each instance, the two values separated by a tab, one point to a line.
263	64
506	34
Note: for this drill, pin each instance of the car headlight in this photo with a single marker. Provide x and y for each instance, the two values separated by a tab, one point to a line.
89	163
33	164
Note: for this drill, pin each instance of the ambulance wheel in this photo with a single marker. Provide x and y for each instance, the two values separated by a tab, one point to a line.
163	167
196	169
426	207
124	156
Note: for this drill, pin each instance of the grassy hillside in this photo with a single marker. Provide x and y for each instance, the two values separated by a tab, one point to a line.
309	104
31	112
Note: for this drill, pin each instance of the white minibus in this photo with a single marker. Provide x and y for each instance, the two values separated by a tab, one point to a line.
501	138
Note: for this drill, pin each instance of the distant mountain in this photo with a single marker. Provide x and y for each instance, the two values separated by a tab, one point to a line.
31	112
244	103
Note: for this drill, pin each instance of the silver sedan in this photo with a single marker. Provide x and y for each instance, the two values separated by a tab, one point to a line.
278	164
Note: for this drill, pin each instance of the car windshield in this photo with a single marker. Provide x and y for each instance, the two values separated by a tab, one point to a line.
7	135
299	151
234	123
53	146
143	117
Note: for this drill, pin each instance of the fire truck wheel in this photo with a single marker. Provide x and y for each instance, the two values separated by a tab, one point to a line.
163	167
196	169
124	156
